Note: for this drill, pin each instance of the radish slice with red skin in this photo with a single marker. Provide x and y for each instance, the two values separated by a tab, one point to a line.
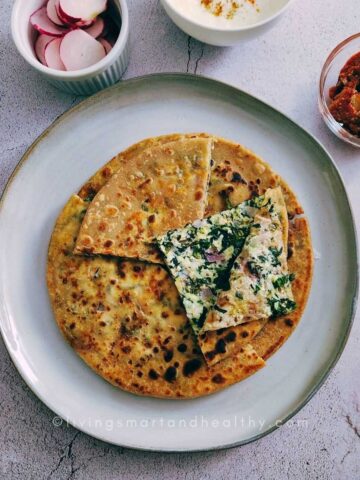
60	15
71	24
106	44
52	54
97	28
79	50
41	22
81	10
52	13
85	24
40	46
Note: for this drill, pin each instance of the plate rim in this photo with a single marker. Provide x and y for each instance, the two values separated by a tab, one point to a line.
354	301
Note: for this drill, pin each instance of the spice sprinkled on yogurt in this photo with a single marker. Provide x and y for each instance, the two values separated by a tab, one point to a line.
227	13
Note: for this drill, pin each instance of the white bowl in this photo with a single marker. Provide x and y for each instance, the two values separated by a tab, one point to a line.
220	37
81	82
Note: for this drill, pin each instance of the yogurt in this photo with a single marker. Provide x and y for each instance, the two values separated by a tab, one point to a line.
227	14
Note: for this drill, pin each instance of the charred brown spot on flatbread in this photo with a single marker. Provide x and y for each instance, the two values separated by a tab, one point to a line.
219	344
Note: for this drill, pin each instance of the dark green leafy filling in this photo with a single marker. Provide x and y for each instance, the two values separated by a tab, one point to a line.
281	306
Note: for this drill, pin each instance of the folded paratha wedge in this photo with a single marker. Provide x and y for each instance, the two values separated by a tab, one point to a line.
162	187
260	283
201	255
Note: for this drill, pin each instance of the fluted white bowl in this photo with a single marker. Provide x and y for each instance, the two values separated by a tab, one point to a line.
81	82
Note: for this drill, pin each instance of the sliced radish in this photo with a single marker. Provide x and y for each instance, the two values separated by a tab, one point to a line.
81	10
41	22
40	46
106	44
52	12
52	54
79	50
84	24
59	13
66	21
97	28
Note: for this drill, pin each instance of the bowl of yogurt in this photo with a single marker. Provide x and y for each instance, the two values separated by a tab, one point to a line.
223	22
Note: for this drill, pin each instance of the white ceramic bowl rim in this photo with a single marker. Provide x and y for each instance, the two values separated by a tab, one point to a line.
225	29
119	46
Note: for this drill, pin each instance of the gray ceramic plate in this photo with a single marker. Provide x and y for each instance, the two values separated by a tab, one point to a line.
61	160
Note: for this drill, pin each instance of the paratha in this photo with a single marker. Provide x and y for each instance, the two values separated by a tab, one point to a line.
201	255
236	175
163	187
125	320
259	280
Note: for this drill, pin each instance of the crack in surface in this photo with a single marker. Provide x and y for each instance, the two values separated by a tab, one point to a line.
67	454
189	54
199	58
191	46
346	454
352	426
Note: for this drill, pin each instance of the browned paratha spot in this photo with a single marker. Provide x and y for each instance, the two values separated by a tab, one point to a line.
182	347
106	172
167	340
155	350
168	355
220	346
218	378
244	334
191	366
102	226
165	314
199	194
237	178
170	374
230	337
108	243
210	355
153	374
151	218
288	322
111	210
126	349
87	241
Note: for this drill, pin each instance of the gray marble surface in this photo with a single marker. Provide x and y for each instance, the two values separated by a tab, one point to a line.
281	66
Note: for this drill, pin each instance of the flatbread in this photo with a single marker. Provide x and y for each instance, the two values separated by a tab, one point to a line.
125	320
163	187
300	261
68	273
259	283
237	174
199	257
